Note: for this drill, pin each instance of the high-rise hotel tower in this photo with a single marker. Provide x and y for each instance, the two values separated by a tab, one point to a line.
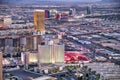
39	21
1	66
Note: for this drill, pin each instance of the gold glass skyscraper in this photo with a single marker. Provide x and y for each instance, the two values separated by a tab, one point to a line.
39	24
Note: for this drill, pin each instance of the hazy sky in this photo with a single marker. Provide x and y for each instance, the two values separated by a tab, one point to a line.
72	0
75	0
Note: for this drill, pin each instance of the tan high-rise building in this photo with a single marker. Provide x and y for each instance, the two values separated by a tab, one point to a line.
39	21
36	39
1	66
33	41
5	21
29	57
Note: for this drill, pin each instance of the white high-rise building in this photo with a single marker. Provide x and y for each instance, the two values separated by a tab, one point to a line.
50	53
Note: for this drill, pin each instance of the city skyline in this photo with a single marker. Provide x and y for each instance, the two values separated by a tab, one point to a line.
59	40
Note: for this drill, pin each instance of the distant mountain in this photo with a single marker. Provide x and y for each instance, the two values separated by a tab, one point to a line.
46	2
118	1
16	1
35	1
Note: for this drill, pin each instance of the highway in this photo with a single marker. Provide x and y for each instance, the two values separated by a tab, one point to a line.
23	74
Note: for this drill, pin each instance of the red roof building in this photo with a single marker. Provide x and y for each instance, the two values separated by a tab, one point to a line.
73	56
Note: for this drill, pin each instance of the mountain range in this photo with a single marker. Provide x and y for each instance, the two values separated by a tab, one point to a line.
36	1
111	1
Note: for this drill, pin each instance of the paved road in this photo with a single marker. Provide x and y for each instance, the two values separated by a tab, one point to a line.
23	74
64	76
